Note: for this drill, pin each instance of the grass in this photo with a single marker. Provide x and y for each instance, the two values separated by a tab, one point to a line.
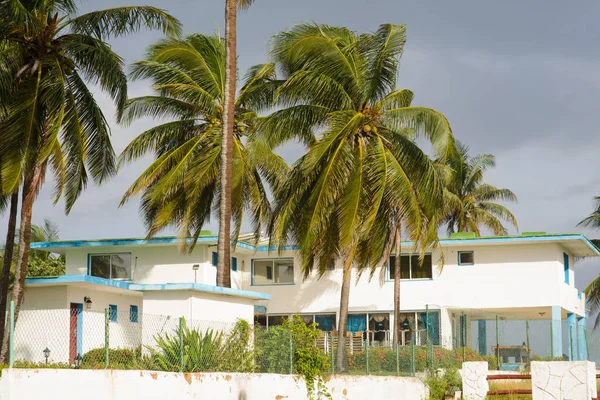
508	385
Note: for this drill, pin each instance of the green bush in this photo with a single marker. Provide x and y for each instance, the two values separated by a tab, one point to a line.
384	360
442	384
203	351
41	365
117	359
290	347
40	267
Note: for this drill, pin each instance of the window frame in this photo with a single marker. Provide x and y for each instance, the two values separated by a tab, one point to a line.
89	266
113	312
390	278
134	313
252	283
459	253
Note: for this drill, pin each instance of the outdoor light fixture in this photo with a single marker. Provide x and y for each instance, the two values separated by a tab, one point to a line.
46	354
78	360
542	314
88	303
195	267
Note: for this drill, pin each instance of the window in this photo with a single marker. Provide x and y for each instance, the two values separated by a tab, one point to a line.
331	265
466	258
275	320
273	272
111	266
112	313
133	313
566	266
215	261
411	268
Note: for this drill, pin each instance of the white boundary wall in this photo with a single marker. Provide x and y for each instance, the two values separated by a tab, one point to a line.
31	384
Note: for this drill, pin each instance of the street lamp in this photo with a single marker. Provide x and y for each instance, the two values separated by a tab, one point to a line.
195	267
88	302
78	361
46	354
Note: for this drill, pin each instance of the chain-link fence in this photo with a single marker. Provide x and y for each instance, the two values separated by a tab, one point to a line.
80	338
89	339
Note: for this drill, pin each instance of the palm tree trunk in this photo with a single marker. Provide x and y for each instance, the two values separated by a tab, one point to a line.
7	263
224	245
30	190
397	275
342	359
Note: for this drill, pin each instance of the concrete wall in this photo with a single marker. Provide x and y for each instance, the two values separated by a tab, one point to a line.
156	264
126	385
501	278
563	380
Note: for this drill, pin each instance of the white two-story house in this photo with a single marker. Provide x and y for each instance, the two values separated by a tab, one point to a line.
528	277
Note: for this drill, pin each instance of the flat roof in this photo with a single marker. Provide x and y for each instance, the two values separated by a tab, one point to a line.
136	287
576	243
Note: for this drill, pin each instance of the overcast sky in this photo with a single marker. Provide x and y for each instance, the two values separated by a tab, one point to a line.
517	79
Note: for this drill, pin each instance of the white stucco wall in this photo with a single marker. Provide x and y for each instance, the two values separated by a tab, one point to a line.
44	321
156	264
126	385
504	276
199	306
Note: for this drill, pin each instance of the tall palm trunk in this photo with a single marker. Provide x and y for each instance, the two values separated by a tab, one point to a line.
30	190
7	263
397	275
224	245
342	359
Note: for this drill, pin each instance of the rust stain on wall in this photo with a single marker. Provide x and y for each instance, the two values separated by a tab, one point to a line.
227	378
188	378
154	375
345	392
280	397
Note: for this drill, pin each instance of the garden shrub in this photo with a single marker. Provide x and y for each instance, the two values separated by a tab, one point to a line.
443	383
206	351
117	358
384	360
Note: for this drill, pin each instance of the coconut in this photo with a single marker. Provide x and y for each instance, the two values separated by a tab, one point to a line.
367	128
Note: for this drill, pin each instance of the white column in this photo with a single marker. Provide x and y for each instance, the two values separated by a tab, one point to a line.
474	378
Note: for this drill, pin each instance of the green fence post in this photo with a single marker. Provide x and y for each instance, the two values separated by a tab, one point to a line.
412	357
291	354
429	363
571	342
11	333
552	340
587	348
397	360
106	336
332	357
180	344
497	344
528	343
367	353
464	336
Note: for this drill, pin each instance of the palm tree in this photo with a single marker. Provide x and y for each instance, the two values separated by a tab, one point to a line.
50	117
225	206
593	220
180	188
470	204
48	232
344	198
7	260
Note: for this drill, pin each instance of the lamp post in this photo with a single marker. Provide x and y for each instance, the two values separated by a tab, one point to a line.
46	354
78	361
195	267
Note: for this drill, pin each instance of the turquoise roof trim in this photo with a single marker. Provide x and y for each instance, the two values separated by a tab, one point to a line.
199	287
265	248
125	242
